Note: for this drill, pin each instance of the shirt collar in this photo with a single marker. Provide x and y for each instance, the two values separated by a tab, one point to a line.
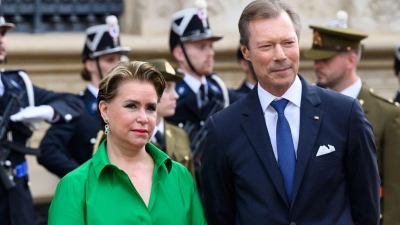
159	127
249	85
293	94
101	160
354	89
194	84
94	90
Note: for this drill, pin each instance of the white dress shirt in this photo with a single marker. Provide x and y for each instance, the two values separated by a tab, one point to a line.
195	84
249	85
159	127
354	89
292	112
94	90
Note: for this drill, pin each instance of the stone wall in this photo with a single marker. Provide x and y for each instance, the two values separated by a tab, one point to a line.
53	59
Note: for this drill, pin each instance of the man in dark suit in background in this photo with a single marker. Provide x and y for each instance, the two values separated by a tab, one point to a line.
313	162
250	78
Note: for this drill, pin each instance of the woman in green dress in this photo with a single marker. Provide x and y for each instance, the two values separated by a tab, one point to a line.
128	180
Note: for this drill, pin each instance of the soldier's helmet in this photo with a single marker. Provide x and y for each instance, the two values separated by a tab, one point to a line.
397	60
3	23
103	39
191	25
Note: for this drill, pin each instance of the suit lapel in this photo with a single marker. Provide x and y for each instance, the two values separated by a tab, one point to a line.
310	121
256	131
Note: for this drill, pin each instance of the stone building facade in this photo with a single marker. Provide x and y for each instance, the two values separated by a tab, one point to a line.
53	59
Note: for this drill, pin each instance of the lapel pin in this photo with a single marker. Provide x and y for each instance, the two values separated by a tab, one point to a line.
316	117
361	101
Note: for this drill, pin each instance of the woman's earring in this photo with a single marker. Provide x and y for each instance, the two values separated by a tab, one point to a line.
106	127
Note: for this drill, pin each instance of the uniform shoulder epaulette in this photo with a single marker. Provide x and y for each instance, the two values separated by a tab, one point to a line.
388	100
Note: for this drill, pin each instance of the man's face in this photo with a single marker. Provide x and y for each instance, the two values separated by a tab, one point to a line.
331	72
274	52
106	62
3	52
201	55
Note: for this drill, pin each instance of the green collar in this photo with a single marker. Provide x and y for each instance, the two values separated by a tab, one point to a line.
100	158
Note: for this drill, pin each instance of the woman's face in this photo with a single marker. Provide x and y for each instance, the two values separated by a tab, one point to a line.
131	114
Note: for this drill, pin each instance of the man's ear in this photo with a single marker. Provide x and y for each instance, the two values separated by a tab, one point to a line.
90	65
353	59
177	52
245	52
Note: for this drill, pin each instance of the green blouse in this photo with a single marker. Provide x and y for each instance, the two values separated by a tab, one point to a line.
98	192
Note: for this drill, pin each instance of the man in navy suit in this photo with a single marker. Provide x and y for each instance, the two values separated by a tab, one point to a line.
249	176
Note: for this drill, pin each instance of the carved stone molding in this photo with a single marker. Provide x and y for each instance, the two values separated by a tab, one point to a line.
153	16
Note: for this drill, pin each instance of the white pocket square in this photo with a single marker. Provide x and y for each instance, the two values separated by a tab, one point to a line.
325	150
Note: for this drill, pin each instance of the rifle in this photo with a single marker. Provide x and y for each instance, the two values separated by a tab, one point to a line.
6	143
198	137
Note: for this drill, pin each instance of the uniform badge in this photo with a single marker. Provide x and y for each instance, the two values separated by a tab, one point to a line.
92	106
317	40
181	89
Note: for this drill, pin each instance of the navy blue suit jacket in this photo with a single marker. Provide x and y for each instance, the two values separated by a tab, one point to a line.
242	182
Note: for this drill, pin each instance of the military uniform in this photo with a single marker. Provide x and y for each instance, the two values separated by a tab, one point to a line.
16	206
187	110
177	146
384	116
67	146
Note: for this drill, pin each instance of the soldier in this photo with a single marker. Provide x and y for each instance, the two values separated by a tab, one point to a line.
17	91
247	68
170	138
201	92
66	146
337	51
397	69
